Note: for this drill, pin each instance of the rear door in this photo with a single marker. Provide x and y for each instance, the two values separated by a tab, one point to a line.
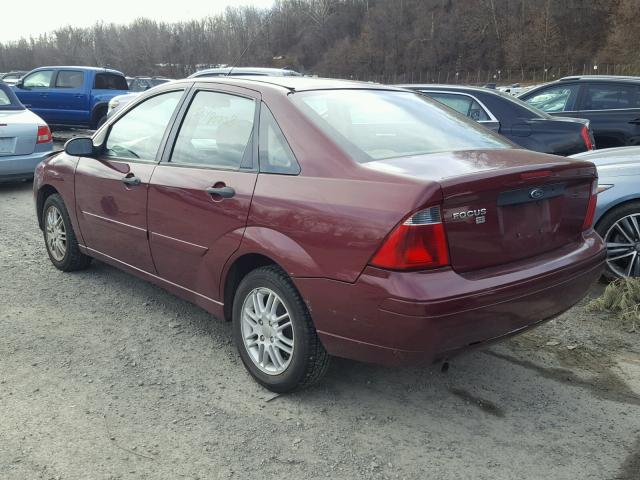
200	194
468	106
69	98
111	190
614	112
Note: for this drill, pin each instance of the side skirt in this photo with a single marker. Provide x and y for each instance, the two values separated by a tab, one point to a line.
209	304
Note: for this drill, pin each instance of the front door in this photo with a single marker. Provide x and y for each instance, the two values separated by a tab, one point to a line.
35	93
111	190
200	194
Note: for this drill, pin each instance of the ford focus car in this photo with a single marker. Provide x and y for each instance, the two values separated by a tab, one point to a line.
326	218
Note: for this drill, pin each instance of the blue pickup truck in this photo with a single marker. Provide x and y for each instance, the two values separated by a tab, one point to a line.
70	96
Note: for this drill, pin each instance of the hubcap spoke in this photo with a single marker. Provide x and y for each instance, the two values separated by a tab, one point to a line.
267	331
55	233
623	246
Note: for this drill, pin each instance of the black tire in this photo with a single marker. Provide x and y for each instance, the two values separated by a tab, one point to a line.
73	258
607	221
101	122
309	360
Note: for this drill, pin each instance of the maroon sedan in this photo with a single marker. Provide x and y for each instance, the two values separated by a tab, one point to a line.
325	218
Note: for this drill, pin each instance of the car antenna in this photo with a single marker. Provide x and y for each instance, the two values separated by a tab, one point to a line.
237	60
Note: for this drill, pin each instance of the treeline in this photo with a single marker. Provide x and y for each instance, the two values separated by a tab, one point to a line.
365	39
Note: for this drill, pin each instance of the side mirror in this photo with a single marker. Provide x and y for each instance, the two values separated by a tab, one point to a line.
19	83
79	147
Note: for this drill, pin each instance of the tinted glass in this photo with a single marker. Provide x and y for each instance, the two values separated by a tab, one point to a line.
559	98
69	79
110	81
275	154
375	124
137	135
462	104
40	79
610	97
216	131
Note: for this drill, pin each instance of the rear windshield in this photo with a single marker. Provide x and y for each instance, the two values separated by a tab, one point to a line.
110	81
377	124
8	99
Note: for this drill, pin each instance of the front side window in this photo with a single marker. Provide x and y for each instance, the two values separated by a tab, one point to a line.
39	79
69	79
377	124
463	104
138	133
560	98
610	97
216	131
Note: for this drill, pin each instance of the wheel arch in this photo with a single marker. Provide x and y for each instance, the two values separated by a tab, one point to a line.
612	206
237	270
44	192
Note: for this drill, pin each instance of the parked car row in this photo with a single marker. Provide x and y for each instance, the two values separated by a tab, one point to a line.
332	218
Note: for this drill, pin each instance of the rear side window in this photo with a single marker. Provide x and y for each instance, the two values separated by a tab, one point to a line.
559	98
39	79
138	133
378	124
216	131
110	81
69	79
274	151
610	97
463	104
8	99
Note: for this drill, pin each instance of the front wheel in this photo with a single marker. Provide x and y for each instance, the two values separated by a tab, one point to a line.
59	237
274	334
620	229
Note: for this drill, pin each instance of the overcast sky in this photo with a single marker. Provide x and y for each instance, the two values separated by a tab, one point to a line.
32	17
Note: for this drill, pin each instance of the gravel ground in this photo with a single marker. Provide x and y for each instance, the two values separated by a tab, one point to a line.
103	376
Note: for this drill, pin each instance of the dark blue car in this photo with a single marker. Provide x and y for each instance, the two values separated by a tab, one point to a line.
70	96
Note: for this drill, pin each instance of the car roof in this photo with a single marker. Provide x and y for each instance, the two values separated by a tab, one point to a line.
293	84
265	71
440	86
600	78
76	67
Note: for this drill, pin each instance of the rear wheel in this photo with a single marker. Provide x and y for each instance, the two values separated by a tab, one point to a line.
274	334
59	237
620	229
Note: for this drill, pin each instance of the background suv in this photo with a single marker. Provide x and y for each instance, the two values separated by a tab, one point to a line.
612	104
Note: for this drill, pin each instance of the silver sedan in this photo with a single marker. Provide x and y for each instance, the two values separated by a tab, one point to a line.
25	139
618	211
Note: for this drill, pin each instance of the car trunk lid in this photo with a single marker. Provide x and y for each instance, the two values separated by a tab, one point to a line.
500	206
18	132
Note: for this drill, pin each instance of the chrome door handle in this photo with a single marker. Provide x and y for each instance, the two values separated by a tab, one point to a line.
224	192
131	180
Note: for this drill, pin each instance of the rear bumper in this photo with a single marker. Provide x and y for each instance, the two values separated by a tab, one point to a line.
421	317
18	167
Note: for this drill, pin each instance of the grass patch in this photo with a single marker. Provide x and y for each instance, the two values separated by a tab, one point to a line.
622	298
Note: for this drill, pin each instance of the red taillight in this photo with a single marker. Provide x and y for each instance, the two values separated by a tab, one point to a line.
417	243
591	208
44	134
587	138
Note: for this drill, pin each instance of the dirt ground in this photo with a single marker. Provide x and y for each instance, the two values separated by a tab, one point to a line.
103	376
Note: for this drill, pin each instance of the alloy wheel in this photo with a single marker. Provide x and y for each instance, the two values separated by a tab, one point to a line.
267	331
55	233
623	246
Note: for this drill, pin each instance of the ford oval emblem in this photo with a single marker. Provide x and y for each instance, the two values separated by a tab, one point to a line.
536	193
